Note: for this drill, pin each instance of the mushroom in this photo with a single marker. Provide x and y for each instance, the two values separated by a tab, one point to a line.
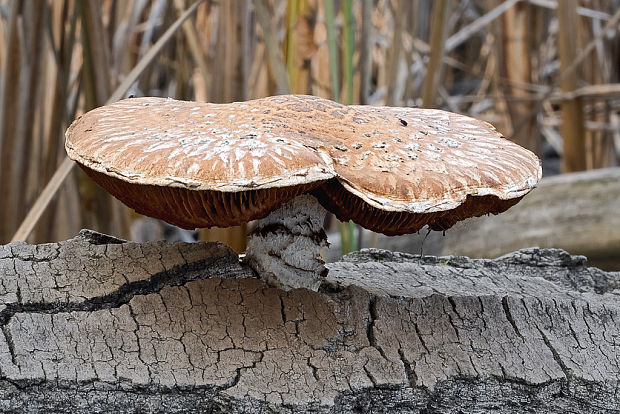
283	160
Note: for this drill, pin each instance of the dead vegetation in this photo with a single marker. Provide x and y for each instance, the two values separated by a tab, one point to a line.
545	72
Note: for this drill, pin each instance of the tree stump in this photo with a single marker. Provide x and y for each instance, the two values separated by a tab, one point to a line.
96	324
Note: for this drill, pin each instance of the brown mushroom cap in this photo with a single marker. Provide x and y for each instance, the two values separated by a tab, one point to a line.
194	164
392	170
400	169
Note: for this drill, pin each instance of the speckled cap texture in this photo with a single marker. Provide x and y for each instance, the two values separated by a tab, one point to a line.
392	170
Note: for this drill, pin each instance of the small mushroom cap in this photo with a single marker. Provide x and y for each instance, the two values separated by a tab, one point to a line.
431	164
400	169
392	170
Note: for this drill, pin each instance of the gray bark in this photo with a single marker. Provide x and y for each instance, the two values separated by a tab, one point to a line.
94	324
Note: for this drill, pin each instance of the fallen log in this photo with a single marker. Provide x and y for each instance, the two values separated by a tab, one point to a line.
95	324
576	212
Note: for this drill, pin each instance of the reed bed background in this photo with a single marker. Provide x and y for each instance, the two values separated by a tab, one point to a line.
545	72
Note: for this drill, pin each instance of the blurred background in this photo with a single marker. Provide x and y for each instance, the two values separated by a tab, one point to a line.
546	73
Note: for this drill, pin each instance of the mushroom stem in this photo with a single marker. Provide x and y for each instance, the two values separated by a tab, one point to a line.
285	247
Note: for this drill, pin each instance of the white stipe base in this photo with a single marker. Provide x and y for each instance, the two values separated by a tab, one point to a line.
285	248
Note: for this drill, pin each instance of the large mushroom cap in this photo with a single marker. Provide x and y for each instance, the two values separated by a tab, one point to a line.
392	170
195	164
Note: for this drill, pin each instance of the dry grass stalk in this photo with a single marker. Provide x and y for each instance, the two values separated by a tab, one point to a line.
10	184
51	188
189	30
276	60
572	110
365	46
438	29
394	59
515	68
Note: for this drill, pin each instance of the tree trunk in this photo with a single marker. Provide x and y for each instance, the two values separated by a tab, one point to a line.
95	324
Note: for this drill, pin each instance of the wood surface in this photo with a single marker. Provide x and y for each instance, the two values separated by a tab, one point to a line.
95	324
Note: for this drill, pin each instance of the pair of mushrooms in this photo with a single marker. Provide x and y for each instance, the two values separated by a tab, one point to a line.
284	160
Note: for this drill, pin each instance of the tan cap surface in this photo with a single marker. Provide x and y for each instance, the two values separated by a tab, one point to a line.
430	162
199	146
402	167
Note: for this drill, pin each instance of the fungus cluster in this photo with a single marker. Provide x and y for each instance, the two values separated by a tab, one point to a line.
284	160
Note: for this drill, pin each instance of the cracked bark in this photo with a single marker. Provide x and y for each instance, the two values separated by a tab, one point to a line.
98	324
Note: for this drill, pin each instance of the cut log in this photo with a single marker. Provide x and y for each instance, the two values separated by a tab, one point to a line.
95	324
577	212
